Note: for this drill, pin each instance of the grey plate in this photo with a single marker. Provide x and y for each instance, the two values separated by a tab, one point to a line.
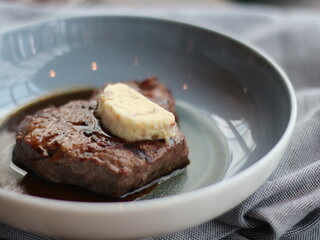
234	104
227	99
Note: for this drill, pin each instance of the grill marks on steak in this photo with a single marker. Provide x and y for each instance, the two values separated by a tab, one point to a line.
66	144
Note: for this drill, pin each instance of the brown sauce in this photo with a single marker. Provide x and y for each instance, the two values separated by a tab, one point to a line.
35	186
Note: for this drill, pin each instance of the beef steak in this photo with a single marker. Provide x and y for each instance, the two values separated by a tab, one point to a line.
66	144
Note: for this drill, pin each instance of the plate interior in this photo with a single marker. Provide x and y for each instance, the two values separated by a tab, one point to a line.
225	112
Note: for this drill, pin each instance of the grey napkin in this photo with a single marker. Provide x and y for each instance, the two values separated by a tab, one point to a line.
287	206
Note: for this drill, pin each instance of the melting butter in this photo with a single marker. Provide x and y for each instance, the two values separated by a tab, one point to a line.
133	117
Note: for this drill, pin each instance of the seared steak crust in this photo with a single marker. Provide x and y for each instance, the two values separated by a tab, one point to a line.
66	144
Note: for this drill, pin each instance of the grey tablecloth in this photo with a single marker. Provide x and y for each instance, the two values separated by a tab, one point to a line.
287	206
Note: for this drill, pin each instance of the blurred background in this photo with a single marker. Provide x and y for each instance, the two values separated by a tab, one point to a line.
164	3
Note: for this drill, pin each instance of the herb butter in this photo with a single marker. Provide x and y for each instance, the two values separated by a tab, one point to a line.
133	117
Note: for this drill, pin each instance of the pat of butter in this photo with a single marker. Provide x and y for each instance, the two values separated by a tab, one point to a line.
133	117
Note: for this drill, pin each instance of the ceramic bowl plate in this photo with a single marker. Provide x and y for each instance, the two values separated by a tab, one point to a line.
236	107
